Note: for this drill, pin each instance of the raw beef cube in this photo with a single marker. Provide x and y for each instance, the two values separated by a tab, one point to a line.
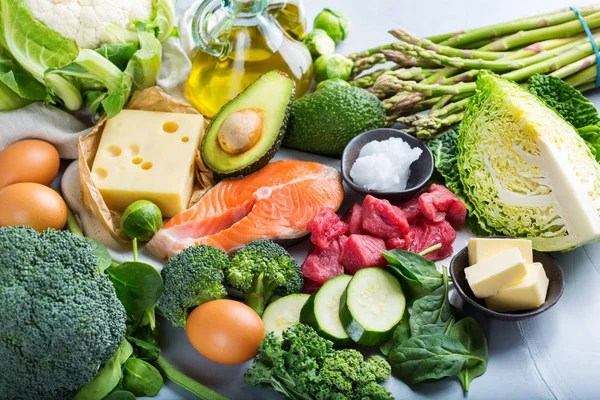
429	234
325	227
323	264
382	219
439	203
310	287
400	243
411	211
353	219
362	251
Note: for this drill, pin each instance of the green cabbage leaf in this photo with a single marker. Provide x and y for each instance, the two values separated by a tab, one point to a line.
525	170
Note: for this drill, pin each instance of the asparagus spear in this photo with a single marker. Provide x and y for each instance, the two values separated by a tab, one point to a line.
524	24
525	37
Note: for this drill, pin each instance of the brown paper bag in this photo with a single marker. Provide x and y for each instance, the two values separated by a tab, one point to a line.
151	99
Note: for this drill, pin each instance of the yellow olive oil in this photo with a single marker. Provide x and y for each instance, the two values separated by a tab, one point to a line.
290	16
216	80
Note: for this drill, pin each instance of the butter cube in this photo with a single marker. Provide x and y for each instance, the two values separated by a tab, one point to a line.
488	277
147	155
481	249
528	294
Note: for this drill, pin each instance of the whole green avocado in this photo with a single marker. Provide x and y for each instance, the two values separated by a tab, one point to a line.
324	121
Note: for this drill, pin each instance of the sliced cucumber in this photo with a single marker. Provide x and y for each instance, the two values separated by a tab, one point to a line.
322	310
371	306
284	312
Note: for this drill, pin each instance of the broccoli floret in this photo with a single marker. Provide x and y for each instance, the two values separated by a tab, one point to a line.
191	278
261	269
61	319
303	365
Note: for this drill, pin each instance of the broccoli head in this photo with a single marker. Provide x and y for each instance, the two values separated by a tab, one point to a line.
61	319
261	269
191	278
304	365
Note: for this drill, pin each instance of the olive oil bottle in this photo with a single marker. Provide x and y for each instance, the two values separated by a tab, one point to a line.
238	41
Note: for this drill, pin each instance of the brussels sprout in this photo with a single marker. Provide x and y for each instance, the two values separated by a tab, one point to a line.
141	220
335	23
319	43
333	66
331	82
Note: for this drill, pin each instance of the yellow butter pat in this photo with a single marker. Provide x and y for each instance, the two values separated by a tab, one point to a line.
528	294
147	155
488	277
480	249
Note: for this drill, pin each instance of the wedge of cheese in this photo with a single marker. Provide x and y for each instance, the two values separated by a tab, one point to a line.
527	294
480	249
488	277
147	155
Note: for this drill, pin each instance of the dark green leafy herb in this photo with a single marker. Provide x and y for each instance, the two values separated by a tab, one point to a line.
414	267
401	333
120	395
101	253
429	357
138	286
470	334
141	378
431	314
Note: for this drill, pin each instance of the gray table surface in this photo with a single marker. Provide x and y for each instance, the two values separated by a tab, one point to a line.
555	355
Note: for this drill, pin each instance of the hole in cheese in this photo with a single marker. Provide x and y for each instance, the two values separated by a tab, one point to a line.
100	173
133	149
146	166
137	160
114	150
185	139
170	127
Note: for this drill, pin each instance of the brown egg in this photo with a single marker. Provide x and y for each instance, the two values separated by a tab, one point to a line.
225	331
28	161
32	204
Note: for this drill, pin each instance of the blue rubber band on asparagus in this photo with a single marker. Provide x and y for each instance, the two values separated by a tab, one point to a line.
588	32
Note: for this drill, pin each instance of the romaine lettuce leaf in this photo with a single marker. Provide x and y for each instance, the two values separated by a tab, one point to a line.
525	170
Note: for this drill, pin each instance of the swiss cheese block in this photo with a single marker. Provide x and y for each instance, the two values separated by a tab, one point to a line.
480	249
488	277
150	156
528	294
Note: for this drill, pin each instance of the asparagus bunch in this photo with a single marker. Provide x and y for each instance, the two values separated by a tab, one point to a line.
437	74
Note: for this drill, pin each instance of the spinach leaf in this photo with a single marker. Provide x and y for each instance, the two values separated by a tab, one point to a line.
401	333
141	378
470	334
101	253
108	377
429	357
434	309
120	395
145	350
414	267
435	329
138	286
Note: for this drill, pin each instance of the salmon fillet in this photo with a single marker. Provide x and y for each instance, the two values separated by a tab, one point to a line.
277	202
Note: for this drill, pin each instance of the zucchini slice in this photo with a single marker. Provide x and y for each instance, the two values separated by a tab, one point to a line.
322	310
371	306
283	313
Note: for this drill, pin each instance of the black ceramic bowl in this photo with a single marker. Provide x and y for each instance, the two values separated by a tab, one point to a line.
555	287
420	170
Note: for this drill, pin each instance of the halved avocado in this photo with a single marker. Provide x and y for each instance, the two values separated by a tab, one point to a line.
247	132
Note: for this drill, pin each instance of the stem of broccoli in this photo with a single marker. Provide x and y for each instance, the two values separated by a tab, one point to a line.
189	384
261	291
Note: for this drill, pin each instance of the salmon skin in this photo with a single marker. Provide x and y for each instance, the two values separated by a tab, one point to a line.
276	202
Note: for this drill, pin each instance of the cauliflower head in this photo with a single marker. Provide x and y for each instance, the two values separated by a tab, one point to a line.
86	21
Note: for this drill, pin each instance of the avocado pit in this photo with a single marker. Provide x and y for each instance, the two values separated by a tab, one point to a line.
240	131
